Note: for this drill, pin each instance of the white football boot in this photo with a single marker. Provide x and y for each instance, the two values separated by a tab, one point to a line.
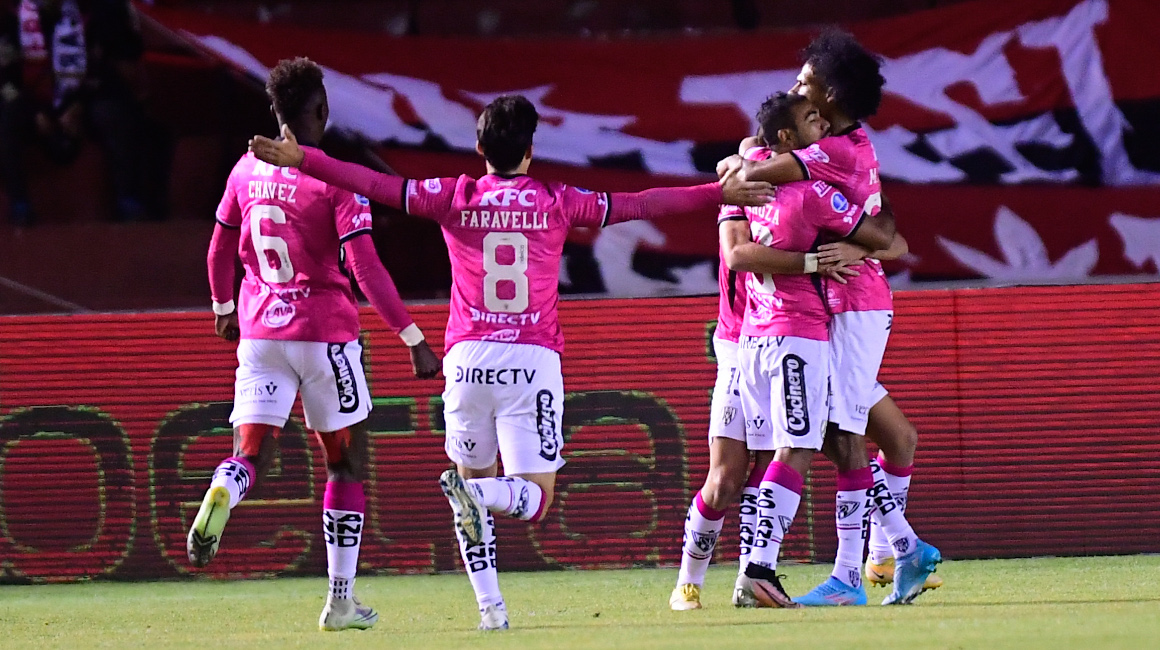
346	614
493	617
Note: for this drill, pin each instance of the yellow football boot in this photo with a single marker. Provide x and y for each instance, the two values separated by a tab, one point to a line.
685	597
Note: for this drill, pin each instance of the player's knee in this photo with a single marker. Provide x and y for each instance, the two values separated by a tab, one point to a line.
722	485
798	459
899	449
250	438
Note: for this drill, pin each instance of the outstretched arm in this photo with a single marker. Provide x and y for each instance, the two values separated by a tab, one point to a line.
383	188
376	283
663	201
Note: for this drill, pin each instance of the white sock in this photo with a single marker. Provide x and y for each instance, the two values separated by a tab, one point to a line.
747	515
509	495
343	505
235	475
898	484
893	522
777	505
850	517
479	560
702	528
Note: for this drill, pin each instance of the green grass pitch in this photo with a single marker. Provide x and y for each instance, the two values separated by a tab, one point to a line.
1038	603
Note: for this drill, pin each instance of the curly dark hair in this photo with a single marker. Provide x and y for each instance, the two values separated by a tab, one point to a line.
291	84
776	113
852	72
505	130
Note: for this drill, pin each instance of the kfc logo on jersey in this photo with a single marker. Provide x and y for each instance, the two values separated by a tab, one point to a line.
813	153
821	188
504	198
278	314
433	185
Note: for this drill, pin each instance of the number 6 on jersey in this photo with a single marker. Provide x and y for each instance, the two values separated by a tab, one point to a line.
514	272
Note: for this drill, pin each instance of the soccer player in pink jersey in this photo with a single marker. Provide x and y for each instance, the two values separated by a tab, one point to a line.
730	473
843	80
505	234
298	322
783	354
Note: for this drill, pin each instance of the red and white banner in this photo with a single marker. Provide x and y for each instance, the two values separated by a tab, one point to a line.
985	93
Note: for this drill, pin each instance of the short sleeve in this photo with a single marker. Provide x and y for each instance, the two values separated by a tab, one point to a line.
229	212
730	213
831	210
352	215
829	159
585	208
431	198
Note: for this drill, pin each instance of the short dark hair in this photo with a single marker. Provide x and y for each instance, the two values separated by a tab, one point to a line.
776	113
852	72
505	130
291	84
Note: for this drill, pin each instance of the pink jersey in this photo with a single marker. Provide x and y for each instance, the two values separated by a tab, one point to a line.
802	215
848	162
292	227
732	287
505	237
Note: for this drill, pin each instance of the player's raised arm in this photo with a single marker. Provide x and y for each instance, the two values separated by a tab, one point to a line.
383	188
663	201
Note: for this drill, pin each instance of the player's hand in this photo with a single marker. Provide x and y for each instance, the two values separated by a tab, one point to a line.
227	326
424	361
838	272
738	192
842	252
280	153
731	164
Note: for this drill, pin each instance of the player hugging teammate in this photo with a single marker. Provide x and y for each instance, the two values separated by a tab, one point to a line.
797	323
806	356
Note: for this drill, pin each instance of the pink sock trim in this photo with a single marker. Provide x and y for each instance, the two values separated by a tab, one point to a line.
706	511
540	510
857	480
785	476
344	495
755	477
247	464
894	469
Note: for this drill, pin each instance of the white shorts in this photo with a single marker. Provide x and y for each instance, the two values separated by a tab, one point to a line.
857	345
725	417
329	376
506	398
784	391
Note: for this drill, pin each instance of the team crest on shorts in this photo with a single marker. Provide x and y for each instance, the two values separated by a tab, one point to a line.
727	414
